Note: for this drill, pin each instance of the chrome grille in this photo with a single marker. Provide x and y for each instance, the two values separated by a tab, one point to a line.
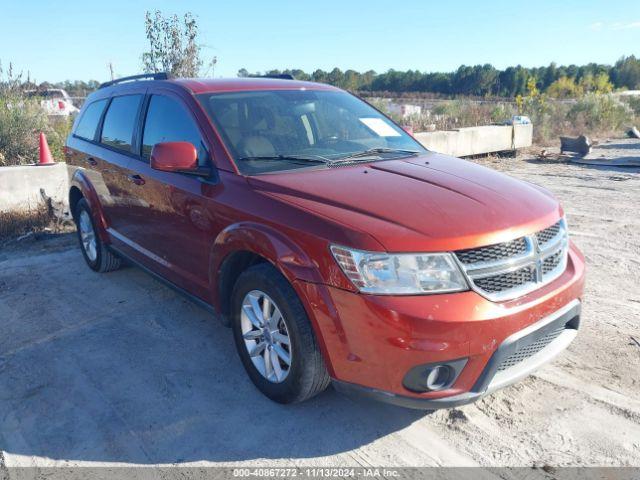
505	281
492	252
551	262
511	269
548	234
526	351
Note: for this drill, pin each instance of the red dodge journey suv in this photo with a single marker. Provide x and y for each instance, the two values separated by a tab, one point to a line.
334	245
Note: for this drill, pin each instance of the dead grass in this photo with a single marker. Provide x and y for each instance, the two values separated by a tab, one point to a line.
16	224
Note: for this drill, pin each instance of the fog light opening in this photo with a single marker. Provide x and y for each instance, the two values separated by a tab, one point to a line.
438	377
433	377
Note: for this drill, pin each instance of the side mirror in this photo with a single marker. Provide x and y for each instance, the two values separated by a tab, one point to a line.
179	157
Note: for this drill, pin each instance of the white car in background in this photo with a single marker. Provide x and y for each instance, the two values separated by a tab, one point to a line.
54	101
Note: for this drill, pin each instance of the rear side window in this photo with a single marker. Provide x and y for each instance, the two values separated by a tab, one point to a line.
89	121
120	120
168	121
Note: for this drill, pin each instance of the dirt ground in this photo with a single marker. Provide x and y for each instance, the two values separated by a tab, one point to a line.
118	369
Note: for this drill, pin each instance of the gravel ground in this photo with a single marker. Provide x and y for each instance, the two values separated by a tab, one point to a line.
584	408
117	369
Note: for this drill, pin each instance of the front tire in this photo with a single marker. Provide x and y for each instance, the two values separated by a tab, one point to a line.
274	337
94	251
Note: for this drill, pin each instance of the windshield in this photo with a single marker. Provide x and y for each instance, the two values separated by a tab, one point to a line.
270	131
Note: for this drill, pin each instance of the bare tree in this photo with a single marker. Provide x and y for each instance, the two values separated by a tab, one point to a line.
172	45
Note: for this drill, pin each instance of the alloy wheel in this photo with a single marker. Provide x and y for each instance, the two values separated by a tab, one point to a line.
266	336
87	236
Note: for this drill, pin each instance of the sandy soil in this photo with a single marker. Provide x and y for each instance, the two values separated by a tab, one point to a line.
112	369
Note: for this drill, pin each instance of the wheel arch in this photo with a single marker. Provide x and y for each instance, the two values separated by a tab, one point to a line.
81	187
243	245
75	194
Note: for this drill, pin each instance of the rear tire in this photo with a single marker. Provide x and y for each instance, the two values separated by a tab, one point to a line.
305	376
94	251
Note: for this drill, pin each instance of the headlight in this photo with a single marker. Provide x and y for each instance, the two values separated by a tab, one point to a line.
400	274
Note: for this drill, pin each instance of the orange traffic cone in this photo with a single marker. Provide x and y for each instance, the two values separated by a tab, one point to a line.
45	154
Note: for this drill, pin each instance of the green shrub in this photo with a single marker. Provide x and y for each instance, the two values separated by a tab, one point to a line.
547	117
600	113
595	115
459	113
21	121
634	103
59	129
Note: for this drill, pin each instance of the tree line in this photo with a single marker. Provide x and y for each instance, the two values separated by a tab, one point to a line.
479	80
482	80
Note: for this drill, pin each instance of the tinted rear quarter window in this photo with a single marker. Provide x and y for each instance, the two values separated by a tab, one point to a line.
120	120
168	121
88	123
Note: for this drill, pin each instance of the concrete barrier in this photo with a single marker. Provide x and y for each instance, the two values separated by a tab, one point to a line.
464	142
20	186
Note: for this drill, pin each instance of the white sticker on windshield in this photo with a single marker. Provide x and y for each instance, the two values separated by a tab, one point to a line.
380	127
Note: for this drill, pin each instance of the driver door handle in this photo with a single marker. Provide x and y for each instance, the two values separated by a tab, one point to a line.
137	179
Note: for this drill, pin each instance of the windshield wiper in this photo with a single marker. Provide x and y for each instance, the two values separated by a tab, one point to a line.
301	158
373	151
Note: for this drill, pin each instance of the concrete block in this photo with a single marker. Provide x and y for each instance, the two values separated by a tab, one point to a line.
477	140
20	186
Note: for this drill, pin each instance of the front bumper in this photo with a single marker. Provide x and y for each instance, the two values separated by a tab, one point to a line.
493	377
370	342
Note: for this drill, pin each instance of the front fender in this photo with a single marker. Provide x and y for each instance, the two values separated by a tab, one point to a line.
288	257
291	260
82	183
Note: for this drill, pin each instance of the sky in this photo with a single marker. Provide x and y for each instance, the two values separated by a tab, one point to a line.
76	40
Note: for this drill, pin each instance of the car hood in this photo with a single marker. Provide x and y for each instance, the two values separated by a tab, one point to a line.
428	203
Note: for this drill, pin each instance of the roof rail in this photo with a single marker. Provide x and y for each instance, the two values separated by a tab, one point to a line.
132	78
281	76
